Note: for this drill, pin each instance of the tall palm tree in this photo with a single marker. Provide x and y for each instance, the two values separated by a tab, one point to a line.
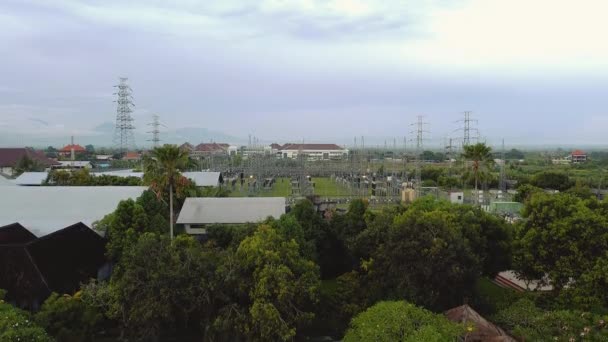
483	161
162	171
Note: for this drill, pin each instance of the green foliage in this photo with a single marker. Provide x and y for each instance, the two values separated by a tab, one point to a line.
552	180
340	299
17	325
90	149
524	192
401	321
162	171
482	161
449	182
432	173
27	164
424	260
490	298
283	283
83	177
433	253
530	323
68	318
130	219
163	284
514	154
561	239
432	156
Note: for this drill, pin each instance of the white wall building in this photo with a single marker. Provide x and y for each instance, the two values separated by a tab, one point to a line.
313	151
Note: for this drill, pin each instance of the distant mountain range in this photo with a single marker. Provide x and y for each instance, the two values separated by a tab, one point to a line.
103	134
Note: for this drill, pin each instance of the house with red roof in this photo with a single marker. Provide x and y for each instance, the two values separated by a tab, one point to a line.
134	156
206	149
578	156
66	151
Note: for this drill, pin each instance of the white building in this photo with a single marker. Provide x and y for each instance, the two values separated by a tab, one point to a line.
313	151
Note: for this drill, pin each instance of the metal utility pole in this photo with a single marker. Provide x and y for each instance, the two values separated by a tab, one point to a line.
123	131
502	182
449	154
155	130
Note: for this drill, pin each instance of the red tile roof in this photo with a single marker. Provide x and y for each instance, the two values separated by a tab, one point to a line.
578	153
77	148
211	147
131	156
311	147
9	157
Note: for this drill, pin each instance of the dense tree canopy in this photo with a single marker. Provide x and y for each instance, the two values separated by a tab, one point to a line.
17	325
561	239
401	322
552	180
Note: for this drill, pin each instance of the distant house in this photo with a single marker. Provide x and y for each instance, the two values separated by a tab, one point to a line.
72	164
188	147
133	156
197	213
32	268
578	156
312	151
208	149
10	157
483	330
66	151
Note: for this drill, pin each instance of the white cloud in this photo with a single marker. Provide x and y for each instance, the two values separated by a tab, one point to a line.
560	34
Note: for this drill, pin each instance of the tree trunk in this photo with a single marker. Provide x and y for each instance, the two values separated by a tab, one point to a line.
476	193
171	210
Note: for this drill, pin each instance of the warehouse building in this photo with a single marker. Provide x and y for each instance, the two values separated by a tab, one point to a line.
197	213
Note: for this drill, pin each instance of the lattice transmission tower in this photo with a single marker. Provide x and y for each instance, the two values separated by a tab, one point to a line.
155	130
419	131
467	128
123	131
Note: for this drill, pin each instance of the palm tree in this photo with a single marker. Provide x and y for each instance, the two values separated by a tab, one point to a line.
481	156
162	173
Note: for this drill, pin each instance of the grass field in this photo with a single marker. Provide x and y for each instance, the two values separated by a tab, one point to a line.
281	188
324	187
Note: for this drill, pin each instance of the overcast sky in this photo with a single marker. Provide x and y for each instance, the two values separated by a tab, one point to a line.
531	71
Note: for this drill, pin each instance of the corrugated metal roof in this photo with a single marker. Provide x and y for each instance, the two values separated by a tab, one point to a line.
31	178
202	178
230	210
5	181
45	209
120	173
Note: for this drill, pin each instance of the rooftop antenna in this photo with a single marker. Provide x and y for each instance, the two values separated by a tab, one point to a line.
123	132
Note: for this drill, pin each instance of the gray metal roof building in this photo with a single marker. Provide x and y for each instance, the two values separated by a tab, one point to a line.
204	178
31	178
210	210
45	209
